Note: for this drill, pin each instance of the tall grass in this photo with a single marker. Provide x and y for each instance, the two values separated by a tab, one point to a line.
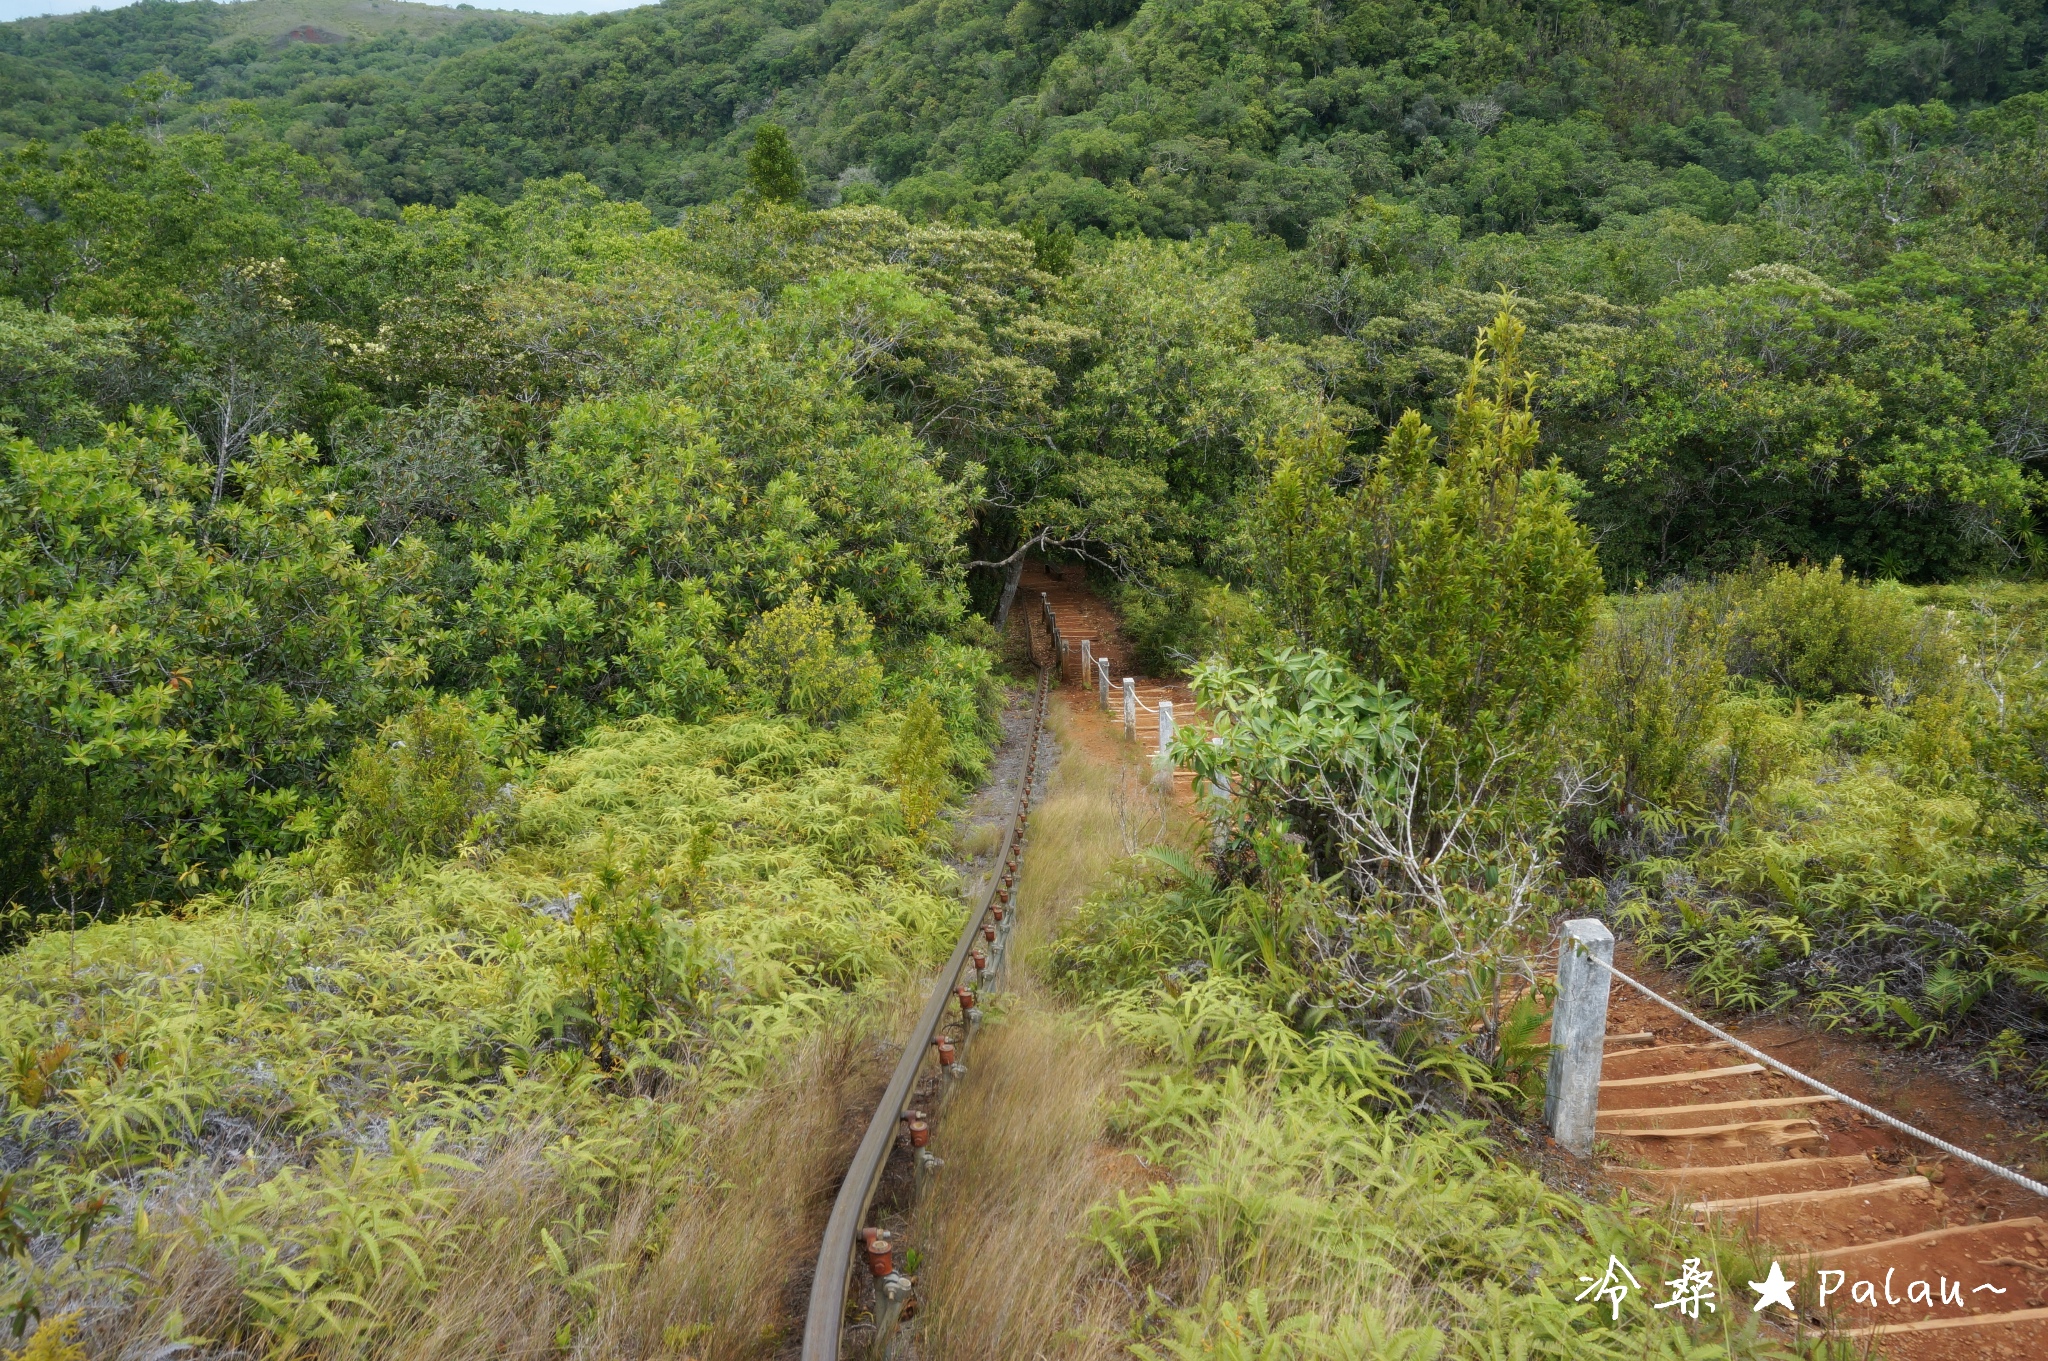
1009	1272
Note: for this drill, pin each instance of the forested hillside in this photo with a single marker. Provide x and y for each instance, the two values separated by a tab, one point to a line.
1163	117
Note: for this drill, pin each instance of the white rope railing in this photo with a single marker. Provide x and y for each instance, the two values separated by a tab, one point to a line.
1981	1163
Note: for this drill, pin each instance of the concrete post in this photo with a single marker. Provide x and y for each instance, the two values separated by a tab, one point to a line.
892	1292
1087	663
1102	673
1578	1034
1130	708
1219	818
1220	786
1166	731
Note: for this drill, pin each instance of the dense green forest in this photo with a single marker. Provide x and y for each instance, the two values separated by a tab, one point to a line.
503	527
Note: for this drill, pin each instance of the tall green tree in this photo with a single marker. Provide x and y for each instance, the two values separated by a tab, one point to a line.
774	170
1450	571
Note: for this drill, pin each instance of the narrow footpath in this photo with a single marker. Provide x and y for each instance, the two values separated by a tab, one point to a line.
1081	617
1006	1269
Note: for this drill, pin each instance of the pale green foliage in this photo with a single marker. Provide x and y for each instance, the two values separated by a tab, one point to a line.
416	787
1816	633
1180	617
919	761
49	367
1652	684
810	659
662	910
1853	823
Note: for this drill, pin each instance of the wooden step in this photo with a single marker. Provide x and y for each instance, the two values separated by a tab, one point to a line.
1875	1188
1666	1049
1930	1325
1746	1169
1760	1103
1779	1131
1930	1236
1696	1075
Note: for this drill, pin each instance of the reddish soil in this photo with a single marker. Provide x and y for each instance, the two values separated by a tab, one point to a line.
1932	1241
1081	616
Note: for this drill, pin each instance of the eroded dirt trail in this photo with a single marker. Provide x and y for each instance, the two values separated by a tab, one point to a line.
1928	1258
1083	616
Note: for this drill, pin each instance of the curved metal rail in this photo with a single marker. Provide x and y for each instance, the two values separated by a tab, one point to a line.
841	1252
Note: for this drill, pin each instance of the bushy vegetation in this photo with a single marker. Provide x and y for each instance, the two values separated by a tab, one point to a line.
299	1082
1829	792
1309	1206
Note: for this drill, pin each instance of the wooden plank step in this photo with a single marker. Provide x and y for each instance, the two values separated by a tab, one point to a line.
1760	1103
1930	1236
1746	1169
1696	1075
1667	1049
1930	1325
1630	1037
1875	1188
1780	1131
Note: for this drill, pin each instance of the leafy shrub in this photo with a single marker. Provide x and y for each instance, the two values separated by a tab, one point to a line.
1869	856
810	659
1398	776
1463	583
1818	634
919	763
182	668
1653	680
1181	617
415	789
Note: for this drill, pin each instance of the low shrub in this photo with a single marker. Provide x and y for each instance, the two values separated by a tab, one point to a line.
1180	617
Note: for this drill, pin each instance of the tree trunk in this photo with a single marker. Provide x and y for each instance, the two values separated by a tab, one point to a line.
1009	591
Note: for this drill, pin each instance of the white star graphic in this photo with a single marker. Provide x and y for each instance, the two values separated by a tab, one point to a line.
1774	1289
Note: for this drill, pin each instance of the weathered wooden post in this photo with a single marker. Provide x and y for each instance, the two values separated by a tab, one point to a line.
1130	708
1102	672
1087	663
1578	1034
